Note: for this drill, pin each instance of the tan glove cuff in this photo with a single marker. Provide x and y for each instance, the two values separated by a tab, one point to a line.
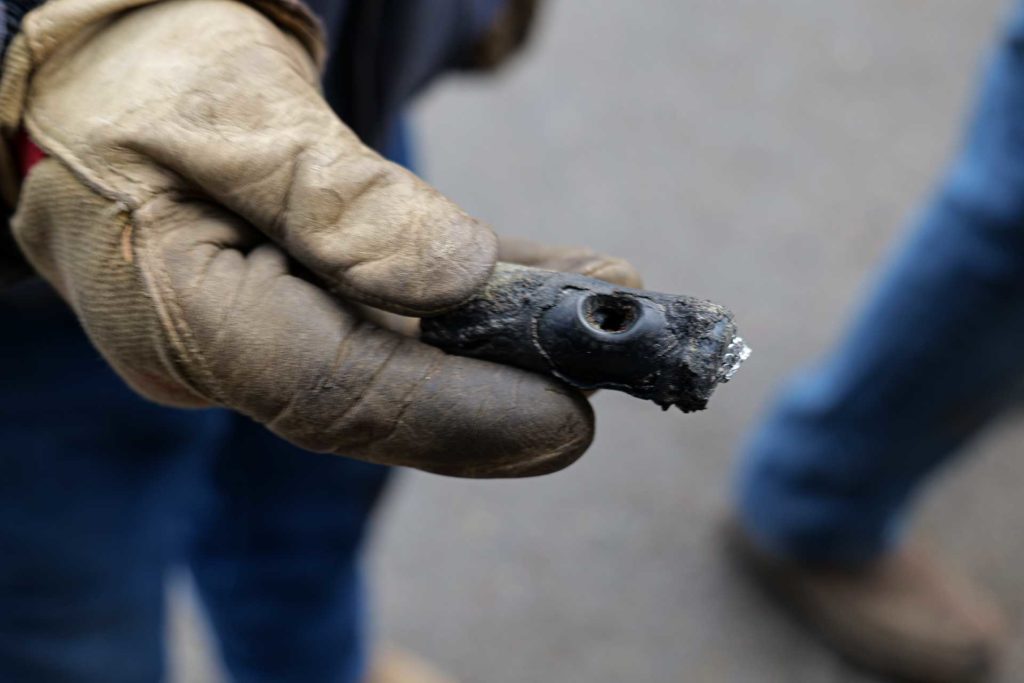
57	22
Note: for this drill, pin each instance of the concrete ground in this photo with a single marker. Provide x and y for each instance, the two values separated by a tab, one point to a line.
763	154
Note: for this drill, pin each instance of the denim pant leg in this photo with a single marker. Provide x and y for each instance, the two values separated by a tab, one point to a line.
277	563
937	351
95	503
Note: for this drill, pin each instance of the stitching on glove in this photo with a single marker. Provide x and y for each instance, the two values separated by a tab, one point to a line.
83	171
177	332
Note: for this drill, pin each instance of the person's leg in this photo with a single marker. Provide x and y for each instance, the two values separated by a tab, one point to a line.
935	354
278	565
827	479
94	500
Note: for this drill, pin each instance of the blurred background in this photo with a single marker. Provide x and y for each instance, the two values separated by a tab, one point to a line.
761	154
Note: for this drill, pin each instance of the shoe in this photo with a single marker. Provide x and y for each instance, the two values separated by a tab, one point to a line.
904	615
392	665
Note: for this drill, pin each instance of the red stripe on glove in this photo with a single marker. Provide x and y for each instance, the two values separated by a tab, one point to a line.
29	153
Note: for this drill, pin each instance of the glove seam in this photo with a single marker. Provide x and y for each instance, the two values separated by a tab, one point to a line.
176	331
174	367
38	129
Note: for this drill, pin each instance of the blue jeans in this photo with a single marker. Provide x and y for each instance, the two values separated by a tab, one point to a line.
102	493
937	351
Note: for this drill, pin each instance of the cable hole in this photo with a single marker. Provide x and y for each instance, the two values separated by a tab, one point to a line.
610	314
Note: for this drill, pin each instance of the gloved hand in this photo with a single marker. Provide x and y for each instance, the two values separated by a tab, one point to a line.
218	231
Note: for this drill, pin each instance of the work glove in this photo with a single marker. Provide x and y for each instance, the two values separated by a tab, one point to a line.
221	235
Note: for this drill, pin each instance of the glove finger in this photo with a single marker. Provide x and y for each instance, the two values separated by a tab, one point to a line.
278	348
529	253
253	132
569	259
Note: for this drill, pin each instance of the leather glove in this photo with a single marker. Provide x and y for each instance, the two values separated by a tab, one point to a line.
219	233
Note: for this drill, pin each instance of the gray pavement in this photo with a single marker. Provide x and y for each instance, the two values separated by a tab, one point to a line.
763	154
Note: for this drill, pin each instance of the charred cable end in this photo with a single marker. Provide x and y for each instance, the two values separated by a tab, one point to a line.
673	350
